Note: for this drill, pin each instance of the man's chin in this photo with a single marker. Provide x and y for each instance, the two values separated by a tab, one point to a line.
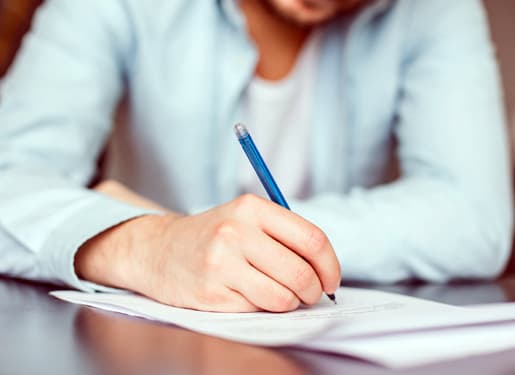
307	12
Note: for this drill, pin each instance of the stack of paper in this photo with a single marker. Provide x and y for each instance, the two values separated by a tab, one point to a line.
389	329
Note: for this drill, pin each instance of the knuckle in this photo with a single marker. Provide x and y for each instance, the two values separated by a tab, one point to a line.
285	301
224	237
304	278
315	298
245	202
316	241
225	231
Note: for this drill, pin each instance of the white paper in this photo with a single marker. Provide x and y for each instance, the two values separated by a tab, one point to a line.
421	348
260	328
264	328
390	329
478	330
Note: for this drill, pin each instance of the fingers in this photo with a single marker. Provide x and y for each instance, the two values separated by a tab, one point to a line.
283	265
214	296
229	301
264	292
306	240
238	303
297	234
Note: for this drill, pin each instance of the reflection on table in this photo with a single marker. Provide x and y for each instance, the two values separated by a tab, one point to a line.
41	333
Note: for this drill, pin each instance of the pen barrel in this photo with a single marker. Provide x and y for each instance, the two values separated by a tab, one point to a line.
262	171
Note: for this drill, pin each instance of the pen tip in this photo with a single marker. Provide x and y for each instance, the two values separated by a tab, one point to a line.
332	297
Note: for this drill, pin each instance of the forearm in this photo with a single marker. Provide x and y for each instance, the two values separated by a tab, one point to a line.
47	218
415	228
110	258
122	193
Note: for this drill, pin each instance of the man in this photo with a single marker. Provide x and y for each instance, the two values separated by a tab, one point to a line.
333	91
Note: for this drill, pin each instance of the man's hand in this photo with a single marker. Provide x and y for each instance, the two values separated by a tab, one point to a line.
247	255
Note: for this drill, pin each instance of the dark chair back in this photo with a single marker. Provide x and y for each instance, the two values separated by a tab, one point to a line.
501	14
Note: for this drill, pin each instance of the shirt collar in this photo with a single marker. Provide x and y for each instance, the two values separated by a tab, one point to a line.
231	12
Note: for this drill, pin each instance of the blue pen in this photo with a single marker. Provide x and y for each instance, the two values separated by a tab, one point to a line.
262	171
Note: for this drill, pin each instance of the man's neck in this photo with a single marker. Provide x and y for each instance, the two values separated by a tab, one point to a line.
278	41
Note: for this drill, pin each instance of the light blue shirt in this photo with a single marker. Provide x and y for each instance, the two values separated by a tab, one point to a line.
412	80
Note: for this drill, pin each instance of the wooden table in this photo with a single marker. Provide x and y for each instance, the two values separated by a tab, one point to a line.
41	335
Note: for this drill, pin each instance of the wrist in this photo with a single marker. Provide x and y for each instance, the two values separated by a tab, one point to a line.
140	250
117	257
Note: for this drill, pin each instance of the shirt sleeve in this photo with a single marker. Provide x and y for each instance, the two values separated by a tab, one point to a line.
55	116
449	215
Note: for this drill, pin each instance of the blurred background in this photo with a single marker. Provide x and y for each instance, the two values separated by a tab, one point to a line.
16	15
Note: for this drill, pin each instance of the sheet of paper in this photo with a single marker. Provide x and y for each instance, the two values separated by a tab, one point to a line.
253	328
421	348
493	331
411	315
354	305
390	329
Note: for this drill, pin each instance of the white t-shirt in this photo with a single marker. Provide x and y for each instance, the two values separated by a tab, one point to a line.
279	115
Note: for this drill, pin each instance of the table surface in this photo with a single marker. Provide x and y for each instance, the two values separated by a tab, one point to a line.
42	335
